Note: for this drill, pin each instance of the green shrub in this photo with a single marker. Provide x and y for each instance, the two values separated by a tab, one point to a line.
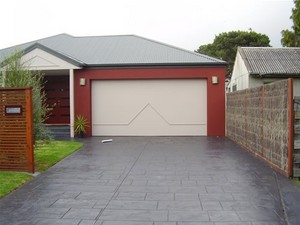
17	74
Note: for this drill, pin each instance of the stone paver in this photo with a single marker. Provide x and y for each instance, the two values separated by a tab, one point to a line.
154	181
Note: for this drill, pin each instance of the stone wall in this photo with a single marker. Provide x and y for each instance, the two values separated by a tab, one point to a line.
259	119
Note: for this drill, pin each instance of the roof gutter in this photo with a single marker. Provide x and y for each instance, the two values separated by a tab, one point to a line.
275	75
130	65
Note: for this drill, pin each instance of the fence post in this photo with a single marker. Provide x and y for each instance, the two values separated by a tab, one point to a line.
291	127
29	128
262	120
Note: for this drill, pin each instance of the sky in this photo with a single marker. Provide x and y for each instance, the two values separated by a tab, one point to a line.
182	23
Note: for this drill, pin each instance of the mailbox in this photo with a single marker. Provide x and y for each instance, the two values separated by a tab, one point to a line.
13	110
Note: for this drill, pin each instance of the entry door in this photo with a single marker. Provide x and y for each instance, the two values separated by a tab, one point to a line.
58	99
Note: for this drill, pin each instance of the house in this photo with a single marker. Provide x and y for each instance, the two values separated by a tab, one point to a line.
255	66
128	85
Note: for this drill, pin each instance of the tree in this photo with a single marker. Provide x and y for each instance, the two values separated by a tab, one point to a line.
225	45
16	74
291	38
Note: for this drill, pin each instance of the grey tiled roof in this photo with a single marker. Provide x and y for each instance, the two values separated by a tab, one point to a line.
271	61
121	50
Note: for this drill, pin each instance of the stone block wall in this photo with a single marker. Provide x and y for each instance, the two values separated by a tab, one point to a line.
259	119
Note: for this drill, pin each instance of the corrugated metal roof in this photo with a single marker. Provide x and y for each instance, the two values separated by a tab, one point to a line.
116	51
271	61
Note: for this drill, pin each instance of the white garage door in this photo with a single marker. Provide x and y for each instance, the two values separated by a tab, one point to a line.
149	107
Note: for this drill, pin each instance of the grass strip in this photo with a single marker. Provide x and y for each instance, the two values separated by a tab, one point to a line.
46	154
10	181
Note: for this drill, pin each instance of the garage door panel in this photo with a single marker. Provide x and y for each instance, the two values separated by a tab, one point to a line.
120	114
149	122
149	107
184	102
117	101
180	114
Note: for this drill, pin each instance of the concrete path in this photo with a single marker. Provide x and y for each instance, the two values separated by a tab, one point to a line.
153	181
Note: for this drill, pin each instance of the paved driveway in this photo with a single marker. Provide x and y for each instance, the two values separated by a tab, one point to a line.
151	181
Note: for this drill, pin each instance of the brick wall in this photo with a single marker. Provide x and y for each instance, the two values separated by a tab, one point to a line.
260	119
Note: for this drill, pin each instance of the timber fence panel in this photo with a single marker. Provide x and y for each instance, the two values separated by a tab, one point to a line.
16	129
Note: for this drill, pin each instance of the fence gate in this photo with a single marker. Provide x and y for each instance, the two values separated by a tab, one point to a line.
16	130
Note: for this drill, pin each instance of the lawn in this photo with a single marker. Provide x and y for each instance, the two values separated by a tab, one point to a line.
10	181
46	154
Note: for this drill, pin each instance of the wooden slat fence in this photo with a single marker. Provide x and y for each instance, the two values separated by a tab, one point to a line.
16	130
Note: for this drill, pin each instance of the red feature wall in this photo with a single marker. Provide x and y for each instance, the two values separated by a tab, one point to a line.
215	92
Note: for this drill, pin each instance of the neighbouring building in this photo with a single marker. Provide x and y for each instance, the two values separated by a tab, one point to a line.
255	66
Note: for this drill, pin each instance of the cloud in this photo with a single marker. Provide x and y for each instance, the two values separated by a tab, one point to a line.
186	24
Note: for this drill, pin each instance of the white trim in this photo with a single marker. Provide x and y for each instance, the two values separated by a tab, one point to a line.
71	86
